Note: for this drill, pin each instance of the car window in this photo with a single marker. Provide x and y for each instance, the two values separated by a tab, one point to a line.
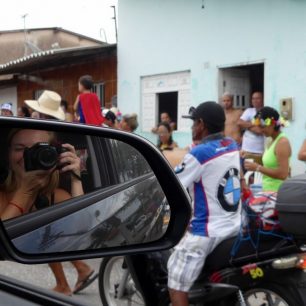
129	163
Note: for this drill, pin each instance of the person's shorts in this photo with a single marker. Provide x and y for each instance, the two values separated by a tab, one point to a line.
187	260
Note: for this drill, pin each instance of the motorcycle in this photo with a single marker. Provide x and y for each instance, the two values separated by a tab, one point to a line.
264	268
275	277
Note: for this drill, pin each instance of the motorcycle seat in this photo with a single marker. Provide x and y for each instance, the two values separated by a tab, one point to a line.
268	247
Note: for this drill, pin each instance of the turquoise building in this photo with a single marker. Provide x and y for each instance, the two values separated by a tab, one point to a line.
173	54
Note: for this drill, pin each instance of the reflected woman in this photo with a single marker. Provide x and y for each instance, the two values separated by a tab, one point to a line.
23	190
20	191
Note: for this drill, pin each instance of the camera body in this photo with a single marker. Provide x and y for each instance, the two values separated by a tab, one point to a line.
42	156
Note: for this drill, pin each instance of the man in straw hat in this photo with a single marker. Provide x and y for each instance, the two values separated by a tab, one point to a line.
48	105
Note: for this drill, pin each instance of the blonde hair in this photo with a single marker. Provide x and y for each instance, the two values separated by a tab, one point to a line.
10	183
131	121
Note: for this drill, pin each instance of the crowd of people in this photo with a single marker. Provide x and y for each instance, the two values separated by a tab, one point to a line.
226	143
86	109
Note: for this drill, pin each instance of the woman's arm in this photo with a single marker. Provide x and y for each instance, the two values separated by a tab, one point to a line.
302	152
283	153
73	164
21	200
17	206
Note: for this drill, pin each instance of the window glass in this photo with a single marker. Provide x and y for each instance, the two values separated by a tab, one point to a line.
130	163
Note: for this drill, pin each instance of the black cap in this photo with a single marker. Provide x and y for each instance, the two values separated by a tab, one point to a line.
210	112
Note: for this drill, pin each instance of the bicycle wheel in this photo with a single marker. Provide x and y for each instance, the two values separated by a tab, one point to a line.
112	275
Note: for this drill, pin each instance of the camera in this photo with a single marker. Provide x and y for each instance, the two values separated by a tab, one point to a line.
42	156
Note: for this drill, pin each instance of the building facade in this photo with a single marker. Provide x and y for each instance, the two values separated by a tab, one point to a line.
54	59
177	53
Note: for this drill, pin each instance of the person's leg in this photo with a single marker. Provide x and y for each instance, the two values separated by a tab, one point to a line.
62	285
82	268
178	298
185	265
85	275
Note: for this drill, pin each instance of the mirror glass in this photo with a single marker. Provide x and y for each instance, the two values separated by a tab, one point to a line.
65	192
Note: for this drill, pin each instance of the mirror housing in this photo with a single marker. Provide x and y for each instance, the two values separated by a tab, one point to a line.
175	194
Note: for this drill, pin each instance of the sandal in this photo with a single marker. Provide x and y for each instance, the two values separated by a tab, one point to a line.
84	283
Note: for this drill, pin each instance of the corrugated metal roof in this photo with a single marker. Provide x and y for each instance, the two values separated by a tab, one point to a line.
57	55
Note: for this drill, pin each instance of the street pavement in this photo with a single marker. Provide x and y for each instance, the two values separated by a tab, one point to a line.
41	276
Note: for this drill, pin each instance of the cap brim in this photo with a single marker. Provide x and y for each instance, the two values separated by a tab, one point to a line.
59	114
188	117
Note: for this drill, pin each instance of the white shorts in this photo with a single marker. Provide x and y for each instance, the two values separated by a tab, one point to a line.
187	260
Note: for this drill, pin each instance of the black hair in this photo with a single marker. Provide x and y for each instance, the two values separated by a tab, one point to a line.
64	103
168	127
212	115
26	111
268	112
110	116
86	81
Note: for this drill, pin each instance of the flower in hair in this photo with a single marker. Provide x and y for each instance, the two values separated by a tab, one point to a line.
268	121
283	122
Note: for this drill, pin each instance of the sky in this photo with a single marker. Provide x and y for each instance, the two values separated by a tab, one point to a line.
84	17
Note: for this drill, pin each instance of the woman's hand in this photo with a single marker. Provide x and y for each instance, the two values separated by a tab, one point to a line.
250	166
30	182
69	160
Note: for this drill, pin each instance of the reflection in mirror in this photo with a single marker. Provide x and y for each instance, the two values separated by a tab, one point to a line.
67	192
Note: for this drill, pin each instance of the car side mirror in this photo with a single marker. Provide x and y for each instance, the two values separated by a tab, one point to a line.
74	191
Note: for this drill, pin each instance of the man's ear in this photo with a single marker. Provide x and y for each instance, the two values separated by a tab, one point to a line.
202	125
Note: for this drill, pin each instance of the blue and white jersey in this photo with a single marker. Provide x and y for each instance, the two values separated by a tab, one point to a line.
211	173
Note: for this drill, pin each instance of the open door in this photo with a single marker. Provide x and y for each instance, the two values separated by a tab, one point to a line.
236	82
241	82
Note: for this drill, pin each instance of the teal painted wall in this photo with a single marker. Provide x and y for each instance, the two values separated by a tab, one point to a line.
164	36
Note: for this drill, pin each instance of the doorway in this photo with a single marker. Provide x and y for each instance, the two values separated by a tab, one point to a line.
168	103
241	82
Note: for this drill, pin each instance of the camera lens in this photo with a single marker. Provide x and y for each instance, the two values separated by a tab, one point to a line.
47	157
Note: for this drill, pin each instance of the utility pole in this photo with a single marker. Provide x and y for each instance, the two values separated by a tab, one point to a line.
115	20
25	33
24	23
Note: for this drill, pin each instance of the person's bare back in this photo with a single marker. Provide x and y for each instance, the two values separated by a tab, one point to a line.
231	127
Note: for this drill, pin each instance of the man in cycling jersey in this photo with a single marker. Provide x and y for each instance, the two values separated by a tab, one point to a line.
211	173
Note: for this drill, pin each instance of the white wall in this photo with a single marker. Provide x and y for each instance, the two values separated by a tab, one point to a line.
9	94
166	36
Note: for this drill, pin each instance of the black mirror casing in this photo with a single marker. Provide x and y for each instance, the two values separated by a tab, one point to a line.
176	195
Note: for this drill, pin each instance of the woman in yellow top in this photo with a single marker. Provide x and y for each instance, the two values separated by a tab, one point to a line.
276	157
165	137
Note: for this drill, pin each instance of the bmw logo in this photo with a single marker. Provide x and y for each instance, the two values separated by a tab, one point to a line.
229	190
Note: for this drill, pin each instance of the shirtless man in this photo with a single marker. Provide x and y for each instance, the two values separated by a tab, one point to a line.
232	116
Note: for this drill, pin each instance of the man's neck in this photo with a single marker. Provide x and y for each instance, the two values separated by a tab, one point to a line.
229	110
213	136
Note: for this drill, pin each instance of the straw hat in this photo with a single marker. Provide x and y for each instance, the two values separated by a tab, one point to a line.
49	103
